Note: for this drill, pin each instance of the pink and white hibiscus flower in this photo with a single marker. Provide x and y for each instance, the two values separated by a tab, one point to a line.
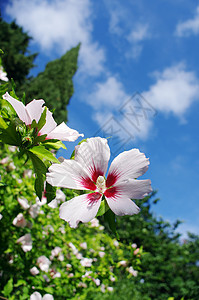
87	171
33	110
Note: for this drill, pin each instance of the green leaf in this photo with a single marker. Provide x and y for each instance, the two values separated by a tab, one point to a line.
43	153
40	138
103	208
50	192
56	145
34	124
3	124
110	218
40	171
39	184
20	282
42	120
8	287
10	136
2	184
38	164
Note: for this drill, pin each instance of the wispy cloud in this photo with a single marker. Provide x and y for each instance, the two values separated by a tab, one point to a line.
59	25
137	35
189	27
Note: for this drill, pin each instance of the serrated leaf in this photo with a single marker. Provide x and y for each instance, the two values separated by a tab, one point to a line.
43	153
103	208
8	287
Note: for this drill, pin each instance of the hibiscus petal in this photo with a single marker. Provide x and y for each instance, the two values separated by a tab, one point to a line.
128	164
19	107
36	296
64	133
81	208
34	109
49	125
69	174
134	189
93	155
121	205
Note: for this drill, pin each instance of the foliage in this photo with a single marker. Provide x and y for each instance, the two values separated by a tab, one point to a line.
169	266
48	231
55	84
16	59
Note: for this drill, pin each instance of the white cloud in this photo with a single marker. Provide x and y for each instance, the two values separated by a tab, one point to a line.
139	33
189	27
174	91
60	25
108	95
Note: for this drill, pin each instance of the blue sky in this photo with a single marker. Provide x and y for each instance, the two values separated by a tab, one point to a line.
138	76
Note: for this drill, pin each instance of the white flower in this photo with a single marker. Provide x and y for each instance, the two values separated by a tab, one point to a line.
4	160
56	251
101	254
12	148
1	216
134	245
60	197
19	221
38	296
97	281
103	288
95	222
34	210
86	262
3	75
122	263
34	271
86	172
26	242
27	173
116	243
110	288
11	166
112	278
23	202
87	274
42	202
61	257
33	110
43	263
74	249
79	255
83	245
132	271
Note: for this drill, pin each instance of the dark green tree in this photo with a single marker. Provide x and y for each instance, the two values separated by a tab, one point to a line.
17	60
55	84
